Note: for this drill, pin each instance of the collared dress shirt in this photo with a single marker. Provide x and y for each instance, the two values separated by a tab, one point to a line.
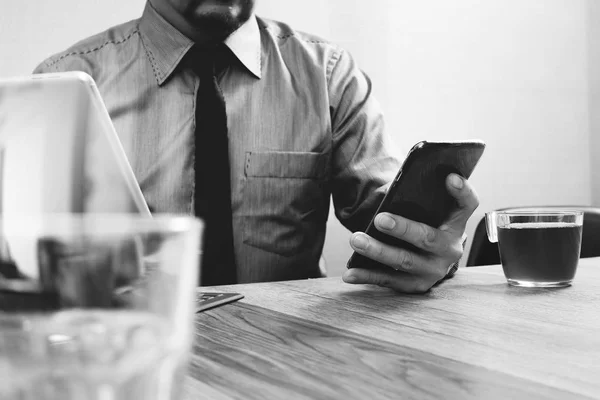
303	126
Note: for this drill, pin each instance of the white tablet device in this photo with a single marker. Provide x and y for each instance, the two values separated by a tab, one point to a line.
59	151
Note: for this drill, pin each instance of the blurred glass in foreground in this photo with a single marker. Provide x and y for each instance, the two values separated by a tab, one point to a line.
108	313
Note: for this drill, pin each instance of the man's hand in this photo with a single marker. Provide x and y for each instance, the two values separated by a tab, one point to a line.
412	272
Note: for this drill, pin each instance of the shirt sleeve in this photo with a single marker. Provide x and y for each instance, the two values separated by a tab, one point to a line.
66	62
42	68
51	65
365	160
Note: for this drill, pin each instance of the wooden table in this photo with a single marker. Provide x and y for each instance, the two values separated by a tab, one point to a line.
472	337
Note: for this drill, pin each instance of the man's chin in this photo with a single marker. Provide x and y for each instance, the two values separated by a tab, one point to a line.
218	21
218	27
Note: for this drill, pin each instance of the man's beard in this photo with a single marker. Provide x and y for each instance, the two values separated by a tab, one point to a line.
220	25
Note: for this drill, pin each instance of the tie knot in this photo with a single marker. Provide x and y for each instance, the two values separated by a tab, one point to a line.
209	61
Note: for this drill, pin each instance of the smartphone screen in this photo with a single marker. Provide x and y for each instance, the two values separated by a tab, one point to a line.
419	190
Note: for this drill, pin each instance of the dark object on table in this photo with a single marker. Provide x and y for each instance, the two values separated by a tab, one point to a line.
483	252
208	300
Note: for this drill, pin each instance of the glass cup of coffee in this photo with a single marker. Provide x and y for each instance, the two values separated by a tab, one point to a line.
96	306
538	248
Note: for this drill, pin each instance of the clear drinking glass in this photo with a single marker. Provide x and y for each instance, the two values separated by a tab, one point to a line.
96	306
538	248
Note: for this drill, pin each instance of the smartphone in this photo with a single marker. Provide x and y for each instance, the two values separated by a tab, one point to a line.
419	190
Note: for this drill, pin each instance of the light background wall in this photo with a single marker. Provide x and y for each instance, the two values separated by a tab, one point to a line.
593	30
519	74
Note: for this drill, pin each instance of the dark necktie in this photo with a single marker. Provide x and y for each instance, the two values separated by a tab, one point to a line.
212	194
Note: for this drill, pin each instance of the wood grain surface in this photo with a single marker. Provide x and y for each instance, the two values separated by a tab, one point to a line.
472	337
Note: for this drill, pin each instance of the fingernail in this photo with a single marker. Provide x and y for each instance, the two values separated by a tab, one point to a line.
456	181
385	221
360	242
350	279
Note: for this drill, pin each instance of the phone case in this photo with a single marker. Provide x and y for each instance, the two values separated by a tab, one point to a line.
419	191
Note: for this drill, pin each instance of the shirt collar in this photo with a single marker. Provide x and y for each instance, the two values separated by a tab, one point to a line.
245	44
167	46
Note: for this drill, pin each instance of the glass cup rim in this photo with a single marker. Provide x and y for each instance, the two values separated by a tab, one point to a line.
542	212
91	224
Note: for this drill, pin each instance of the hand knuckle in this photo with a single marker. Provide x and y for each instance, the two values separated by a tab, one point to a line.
384	281
369	277
379	252
446	247
406	260
449	246
452	250
404	229
430	238
457	252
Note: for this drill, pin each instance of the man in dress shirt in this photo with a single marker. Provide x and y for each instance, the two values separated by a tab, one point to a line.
303	128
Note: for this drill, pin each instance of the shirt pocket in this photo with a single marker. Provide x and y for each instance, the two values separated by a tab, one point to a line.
285	200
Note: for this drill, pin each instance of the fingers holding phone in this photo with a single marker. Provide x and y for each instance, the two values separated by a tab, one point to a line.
407	270
467	202
417	233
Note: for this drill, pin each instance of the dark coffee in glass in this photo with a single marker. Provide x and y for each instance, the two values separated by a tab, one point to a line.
537	249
